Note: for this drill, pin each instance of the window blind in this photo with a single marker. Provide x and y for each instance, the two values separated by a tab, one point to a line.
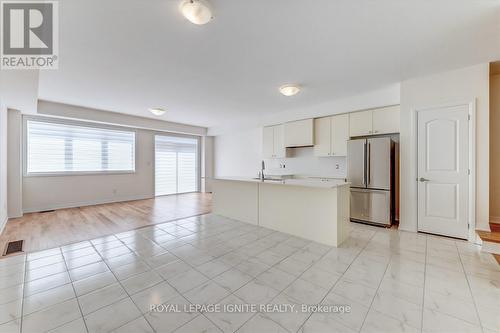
61	148
176	165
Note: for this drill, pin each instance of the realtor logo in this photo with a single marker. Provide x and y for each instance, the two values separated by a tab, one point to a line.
29	35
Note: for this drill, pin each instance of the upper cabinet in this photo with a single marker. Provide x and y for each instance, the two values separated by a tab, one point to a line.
373	122
340	134
268	142
386	120
331	135
299	133
361	123
273	142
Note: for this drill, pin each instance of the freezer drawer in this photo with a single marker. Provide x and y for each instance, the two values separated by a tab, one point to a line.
372	206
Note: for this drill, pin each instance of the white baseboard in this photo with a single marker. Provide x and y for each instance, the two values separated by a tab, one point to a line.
495	219
3	223
85	203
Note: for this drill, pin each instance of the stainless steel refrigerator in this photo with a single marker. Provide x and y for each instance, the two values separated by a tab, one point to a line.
370	171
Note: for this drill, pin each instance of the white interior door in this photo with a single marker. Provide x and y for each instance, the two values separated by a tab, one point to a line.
443	170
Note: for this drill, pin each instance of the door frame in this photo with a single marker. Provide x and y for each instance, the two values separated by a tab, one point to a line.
472	159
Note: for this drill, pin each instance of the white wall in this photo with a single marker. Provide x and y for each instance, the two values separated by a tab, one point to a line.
3	166
240	155
19	89
381	97
467	84
301	161
114	118
14	162
238	151
495	148
37	193
52	192
207	162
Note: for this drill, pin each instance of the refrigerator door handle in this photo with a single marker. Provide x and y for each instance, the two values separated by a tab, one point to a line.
369	161
364	164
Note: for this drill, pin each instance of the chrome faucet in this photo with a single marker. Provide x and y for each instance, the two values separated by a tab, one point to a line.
262	168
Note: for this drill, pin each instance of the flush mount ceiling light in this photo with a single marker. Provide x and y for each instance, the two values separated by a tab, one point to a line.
196	11
290	89
157	111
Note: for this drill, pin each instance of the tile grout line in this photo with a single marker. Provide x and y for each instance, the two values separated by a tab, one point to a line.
297	249
275	266
340	277
182	260
253	277
378	288
121	285
92	245
74	290
112	234
470	289
22	299
232	267
423	292
194	267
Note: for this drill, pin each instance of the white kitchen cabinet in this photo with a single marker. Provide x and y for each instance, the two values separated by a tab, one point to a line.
361	123
386	120
339	135
279	141
299	133
322	136
273	142
268	142
373	122
331	135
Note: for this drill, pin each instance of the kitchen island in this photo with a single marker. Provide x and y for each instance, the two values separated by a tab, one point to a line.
312	209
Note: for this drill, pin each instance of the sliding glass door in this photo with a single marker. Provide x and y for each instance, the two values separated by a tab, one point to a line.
176	164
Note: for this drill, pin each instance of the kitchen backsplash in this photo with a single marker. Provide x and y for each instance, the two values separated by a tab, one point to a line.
301	161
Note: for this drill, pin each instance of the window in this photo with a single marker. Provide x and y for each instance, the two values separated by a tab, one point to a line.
176	165
60	148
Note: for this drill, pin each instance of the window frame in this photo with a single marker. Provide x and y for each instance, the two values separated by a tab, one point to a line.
198	160
73	123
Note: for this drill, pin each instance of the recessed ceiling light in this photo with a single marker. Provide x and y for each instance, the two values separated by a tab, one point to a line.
196	11
157	111
290	89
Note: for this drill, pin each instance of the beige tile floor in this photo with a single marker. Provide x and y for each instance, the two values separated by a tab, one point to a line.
392	281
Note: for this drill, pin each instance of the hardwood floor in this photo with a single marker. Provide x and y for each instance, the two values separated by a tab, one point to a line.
51	229
493	237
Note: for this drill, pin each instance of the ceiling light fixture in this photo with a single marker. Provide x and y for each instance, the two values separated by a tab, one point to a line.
290	89
157	111
196	11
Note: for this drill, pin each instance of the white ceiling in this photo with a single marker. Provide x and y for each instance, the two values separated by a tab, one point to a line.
128	55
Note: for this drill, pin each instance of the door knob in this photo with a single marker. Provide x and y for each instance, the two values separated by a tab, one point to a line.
423	179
